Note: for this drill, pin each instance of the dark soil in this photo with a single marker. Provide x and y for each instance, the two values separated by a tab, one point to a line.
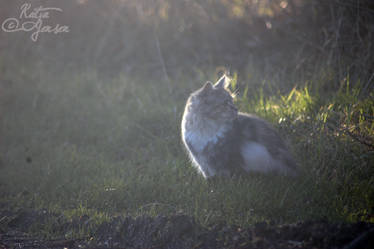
179	232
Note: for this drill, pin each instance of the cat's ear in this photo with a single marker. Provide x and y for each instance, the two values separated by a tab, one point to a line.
208	86
223	82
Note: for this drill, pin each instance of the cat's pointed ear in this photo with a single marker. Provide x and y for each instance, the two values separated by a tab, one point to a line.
223	82
208	86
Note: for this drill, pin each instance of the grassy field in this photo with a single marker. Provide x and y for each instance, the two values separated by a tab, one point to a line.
81	144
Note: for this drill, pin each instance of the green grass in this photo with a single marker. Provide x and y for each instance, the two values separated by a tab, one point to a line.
82	145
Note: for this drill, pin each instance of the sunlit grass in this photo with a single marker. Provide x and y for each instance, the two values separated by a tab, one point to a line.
84	146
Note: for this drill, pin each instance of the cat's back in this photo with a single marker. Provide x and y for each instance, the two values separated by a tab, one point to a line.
257	129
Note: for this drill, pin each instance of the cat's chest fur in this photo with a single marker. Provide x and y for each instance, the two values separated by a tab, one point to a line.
205	139
199	133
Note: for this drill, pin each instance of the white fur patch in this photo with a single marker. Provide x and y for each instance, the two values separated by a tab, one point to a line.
257	158
198	137
199	140
201	131
197	133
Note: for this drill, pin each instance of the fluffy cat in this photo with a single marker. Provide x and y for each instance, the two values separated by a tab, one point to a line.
222	141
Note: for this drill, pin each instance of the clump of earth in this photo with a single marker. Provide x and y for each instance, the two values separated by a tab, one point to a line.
177	231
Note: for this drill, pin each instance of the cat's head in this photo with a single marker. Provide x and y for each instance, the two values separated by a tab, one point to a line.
214	101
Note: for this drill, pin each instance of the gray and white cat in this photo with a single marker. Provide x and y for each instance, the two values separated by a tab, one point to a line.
222	141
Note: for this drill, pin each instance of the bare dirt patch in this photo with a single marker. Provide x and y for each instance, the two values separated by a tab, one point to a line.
181	231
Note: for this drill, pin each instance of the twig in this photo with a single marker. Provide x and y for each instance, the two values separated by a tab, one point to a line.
358	139
368	117
355	137
360	241
25	241
367	84
161	57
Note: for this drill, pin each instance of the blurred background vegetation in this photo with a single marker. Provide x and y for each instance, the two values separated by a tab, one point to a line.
90	119
157	37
